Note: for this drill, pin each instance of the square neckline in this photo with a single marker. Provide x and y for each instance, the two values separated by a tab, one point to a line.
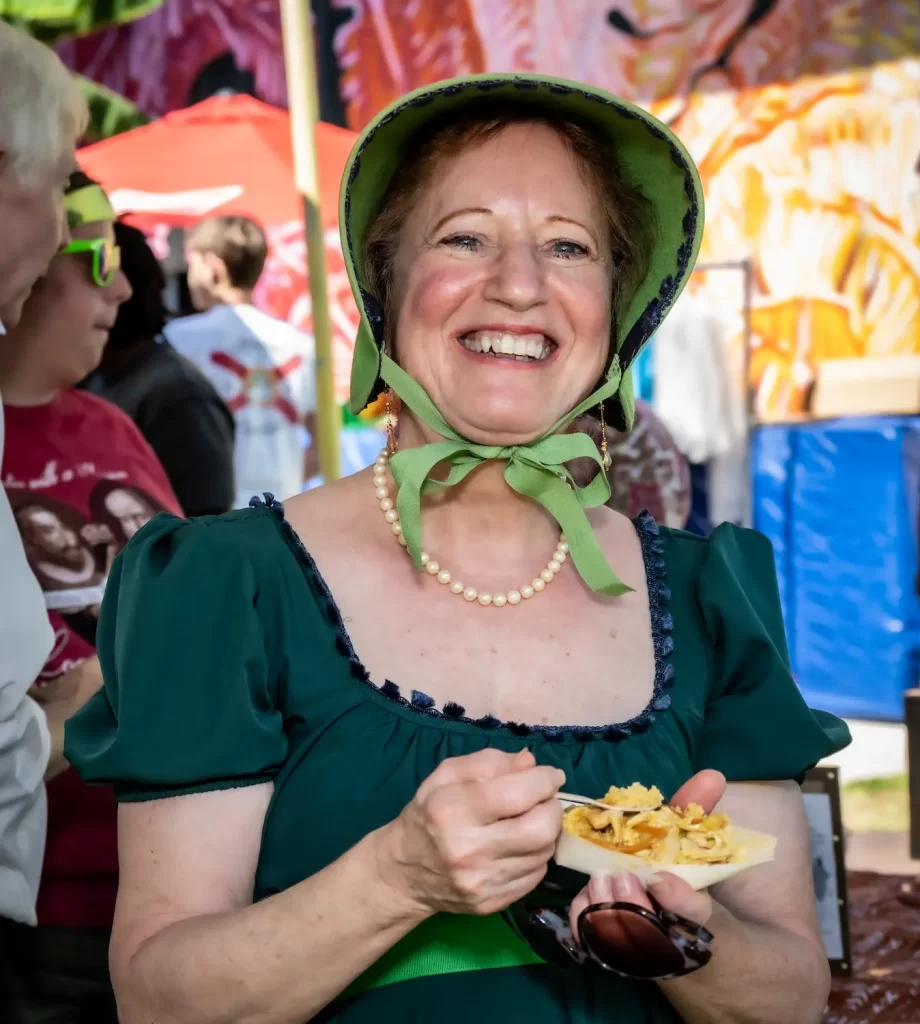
662	625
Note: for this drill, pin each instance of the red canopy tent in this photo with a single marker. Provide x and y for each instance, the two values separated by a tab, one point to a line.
228	154
233	155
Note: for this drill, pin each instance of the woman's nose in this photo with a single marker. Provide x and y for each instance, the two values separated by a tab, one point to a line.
120	289
517	279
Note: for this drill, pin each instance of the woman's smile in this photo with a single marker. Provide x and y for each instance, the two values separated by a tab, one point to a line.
509	346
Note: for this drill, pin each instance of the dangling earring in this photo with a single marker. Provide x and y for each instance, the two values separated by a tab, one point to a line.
392	433
605	455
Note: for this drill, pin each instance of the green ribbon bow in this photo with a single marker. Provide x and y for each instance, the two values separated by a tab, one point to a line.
537	469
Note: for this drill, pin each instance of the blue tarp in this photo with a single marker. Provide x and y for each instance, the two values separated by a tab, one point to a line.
839	501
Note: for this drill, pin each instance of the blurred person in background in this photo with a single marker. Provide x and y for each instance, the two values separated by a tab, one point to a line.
647	471
263	368
42	114
170	400
66	450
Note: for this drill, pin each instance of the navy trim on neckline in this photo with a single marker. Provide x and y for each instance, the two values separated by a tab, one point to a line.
659	595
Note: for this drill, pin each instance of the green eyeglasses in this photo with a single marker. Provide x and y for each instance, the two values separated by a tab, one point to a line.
106	256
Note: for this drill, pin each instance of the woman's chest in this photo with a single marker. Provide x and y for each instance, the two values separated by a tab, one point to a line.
387	687
561	658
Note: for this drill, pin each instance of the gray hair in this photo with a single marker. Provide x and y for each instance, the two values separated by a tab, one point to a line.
42	109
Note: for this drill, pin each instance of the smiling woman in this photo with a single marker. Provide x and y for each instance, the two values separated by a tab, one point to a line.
512	242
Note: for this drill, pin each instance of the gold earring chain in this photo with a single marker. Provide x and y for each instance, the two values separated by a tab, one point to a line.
605	455
392	439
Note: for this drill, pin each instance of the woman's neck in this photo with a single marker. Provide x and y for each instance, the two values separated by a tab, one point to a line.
20	384
481	519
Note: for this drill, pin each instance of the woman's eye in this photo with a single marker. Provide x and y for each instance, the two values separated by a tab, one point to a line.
568	249
468	242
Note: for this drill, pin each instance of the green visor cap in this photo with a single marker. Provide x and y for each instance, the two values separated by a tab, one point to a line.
87	205
652	159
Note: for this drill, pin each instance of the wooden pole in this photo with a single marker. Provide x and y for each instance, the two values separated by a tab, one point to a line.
300	68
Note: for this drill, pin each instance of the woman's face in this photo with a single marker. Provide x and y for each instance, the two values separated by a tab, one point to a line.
69	316
502	287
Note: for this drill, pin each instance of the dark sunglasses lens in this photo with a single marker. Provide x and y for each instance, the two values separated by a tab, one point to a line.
104	267
631	943
106	261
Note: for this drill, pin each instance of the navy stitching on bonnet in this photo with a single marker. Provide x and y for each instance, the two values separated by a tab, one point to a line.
650	319
662	626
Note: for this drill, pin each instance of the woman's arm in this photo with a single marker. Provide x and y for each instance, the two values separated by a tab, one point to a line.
189	947
188	944
769	965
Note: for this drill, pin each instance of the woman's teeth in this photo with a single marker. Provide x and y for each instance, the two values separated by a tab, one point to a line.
526	347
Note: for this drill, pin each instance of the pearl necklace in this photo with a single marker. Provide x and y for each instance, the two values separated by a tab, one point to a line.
445	576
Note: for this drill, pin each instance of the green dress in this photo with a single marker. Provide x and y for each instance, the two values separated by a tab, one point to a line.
227	663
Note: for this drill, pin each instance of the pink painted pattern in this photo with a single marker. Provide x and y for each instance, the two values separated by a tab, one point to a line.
154	61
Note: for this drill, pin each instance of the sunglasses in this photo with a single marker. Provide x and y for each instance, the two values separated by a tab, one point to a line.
626	939
106	258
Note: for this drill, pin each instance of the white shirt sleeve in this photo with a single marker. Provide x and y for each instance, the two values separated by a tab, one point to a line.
26	638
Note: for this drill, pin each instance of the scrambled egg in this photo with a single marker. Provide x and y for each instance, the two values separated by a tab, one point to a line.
663	835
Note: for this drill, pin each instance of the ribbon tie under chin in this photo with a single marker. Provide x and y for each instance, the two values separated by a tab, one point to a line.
537	470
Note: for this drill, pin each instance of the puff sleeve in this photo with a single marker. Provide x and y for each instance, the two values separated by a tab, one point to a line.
756	724
190	659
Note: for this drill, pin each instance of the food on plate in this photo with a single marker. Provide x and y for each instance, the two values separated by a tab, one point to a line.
662	835
634	797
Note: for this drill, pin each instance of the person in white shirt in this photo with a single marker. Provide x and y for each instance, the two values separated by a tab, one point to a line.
262	367
42	114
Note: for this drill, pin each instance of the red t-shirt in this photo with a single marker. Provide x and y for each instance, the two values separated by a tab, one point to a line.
81	480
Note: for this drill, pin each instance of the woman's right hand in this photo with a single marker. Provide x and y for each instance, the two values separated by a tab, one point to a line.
477	835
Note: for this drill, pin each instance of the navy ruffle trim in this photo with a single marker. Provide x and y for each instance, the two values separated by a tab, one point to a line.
659	595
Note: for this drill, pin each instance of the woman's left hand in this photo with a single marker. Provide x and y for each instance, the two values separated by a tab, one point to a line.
705	788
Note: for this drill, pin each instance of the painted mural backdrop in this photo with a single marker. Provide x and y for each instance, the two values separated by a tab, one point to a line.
804	116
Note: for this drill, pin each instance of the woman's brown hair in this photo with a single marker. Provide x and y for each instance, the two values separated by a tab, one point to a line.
628	215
